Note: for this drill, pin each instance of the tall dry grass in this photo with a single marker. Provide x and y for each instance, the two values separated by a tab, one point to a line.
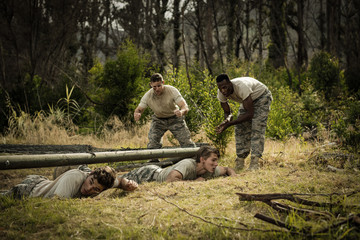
53	128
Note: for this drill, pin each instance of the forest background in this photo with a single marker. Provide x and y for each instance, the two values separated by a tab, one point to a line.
90	61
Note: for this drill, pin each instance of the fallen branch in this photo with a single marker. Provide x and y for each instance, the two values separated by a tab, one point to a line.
275	222
273	196
268	199
351	220
287	208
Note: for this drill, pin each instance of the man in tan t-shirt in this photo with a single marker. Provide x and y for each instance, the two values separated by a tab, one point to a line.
250	125
169	109
74	183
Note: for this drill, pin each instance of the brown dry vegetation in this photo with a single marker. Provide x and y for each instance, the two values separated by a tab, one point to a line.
184	210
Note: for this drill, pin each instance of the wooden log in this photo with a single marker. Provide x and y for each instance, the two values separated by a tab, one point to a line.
52	160
273	196
287	208
275	222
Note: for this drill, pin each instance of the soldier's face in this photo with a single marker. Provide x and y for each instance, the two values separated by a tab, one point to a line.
225	87
210	163
91	186
158	87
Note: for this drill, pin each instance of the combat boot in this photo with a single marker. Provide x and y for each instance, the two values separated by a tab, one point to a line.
254	163
239	163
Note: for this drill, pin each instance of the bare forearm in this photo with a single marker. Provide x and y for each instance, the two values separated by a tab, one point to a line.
230	172
174	176
125	184
183	109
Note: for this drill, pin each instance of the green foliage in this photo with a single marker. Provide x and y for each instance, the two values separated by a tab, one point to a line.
117	85
313	111
70	105
346	124
205	110
325	74
285	115
352	76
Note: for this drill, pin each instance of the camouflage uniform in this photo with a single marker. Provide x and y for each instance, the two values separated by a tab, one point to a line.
25	188
250	135
144	174
176	125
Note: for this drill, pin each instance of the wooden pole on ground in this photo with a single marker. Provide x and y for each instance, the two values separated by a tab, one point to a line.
52	160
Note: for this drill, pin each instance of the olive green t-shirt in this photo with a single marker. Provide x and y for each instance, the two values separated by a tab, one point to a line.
187	168
163	105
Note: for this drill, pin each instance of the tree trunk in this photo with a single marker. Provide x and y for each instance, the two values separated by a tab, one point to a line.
332	26
322	26
259	29
209	36
277	46
217	36
176	33
230	30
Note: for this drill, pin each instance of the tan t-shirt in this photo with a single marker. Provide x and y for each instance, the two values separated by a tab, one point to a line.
187	168
164	105
66	185
243	87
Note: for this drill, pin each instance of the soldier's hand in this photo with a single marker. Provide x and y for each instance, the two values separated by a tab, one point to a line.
128	185
178	113
219	129
137	116
200	179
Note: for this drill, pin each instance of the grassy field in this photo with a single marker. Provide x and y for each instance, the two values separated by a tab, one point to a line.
196	210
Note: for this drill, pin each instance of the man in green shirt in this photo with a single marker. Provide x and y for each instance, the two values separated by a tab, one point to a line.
204	166
169	109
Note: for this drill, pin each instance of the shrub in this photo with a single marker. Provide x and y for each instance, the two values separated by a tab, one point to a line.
325	73
285	115
205	111
346	124
118	84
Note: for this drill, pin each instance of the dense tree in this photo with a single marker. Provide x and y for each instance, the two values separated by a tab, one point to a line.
37	39
351	13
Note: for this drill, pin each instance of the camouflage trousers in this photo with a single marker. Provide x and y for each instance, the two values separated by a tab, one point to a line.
143	174
25	188
250	135
176	125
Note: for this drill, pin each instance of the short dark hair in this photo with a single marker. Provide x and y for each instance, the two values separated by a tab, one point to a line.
156	77
105	176
222	77
205	152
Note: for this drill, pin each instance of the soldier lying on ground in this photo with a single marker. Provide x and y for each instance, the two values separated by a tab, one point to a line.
75	183
204	166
